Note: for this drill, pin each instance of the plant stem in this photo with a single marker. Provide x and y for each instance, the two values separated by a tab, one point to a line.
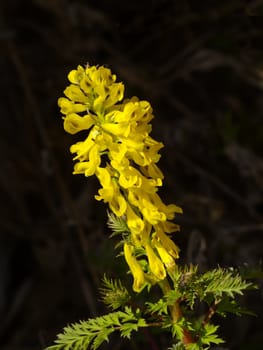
176	312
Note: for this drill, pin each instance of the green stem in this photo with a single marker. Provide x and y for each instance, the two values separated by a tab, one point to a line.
176	311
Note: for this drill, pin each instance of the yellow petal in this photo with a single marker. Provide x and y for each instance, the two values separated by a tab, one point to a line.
166	258
76	74
134	222
74	93
117	129
73	123
67	106
150	211
104	176
166	242
118	204
108	189
155	264
170	227
153	171
89	167
134	196
130	177
135	268
169	210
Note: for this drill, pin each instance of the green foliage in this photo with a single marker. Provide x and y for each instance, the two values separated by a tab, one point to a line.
217	288
178	328
204	337
203	334
117	224
208	336
178	346
212	286
113	293
93	332
160	307
227	305
221	282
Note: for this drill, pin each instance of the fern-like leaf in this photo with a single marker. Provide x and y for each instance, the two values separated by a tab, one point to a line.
118	225
178	346
228	305
221	281
160	307
93	332
113	293
209	335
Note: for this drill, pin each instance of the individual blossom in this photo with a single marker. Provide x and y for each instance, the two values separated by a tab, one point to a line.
135	267
120	152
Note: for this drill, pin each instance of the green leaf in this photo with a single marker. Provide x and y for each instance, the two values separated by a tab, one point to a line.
194	346
178	346
227	305
160	307
93	332
118	225
178	329
209	335
172	296
113	293
219	282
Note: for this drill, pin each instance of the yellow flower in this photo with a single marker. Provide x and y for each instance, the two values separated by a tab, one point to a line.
75	94
117	129
135	224
134	196
169	210
95	87
152	171
110	192
130	177
169	226
166	242
135	267
118	204
67	106
155	264
76	75
121	153
89	167
150	211
167	259
114	94
83	148
109	187
73	123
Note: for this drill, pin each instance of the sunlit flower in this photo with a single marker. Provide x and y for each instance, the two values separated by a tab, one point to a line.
167	256
155	264
120	152
135	267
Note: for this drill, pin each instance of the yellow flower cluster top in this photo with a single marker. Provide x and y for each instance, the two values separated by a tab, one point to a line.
120	153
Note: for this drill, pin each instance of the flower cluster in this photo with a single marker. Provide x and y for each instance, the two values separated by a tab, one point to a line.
119	151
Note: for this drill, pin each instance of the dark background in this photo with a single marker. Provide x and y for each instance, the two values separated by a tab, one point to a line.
200	64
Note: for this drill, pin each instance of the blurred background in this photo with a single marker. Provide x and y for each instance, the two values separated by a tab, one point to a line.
200	64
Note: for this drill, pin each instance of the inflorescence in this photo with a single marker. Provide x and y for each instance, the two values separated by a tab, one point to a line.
120	152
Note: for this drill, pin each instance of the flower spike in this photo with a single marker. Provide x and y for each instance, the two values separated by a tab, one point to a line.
119	130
